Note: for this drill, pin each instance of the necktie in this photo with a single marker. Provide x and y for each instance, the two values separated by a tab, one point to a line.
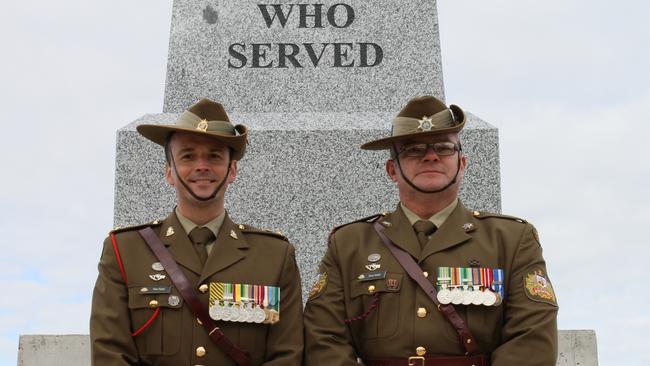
201	236
424	228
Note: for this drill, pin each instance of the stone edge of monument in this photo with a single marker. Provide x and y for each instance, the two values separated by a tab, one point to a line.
576	347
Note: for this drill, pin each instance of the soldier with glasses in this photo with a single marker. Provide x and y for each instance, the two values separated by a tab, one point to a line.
431	283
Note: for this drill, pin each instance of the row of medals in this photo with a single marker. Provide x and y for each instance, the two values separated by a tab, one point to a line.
243	312
470	286
465	295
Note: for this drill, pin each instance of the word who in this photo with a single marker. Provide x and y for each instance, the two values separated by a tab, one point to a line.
302	16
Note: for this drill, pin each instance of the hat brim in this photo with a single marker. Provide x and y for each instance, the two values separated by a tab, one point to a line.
159	133
388	142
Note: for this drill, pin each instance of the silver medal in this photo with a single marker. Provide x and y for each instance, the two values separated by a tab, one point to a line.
477	297
444	296
215	312
259	315
489	298
456	296
467	297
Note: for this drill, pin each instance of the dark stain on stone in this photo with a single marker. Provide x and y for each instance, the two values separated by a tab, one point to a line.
210	15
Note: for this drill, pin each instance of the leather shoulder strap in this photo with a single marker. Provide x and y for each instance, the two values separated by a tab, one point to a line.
190	296
415	272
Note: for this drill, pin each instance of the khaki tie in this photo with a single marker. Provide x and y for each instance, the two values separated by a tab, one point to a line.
201	236
424	228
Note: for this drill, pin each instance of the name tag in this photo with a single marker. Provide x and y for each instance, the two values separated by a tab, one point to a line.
156	290
370	276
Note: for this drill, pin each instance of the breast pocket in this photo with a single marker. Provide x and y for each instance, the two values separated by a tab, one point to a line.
383	320
159	335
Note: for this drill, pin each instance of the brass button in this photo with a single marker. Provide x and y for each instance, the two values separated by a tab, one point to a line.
422	312
476	213
199	321
153	304
203	288
425	274
421	351
371	289
469	341
200	351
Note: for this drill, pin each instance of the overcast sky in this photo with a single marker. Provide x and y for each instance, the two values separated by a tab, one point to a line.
564	81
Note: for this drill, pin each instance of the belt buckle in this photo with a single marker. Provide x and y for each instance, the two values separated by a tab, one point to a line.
414	359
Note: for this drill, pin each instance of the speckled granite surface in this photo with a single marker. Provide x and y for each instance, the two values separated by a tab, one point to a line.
222	49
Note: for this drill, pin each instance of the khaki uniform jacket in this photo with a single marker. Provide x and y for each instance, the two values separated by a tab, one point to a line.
521	331
249	256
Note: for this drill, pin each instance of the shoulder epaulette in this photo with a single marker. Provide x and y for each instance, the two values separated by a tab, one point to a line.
486	215
119	229
252	230
368	219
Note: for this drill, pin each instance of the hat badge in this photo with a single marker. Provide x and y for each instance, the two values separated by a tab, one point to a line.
426	124
203	125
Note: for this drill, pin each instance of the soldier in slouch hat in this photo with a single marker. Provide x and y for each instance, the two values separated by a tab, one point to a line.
431	283
195	288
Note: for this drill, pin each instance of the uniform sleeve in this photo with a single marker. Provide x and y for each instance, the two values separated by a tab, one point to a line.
529	336
328	340
110	324
285	342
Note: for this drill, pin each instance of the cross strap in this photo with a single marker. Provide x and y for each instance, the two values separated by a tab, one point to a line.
415	272
190	296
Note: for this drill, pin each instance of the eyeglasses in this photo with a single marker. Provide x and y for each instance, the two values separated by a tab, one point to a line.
442	148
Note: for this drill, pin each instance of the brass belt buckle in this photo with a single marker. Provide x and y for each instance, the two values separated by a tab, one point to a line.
414	359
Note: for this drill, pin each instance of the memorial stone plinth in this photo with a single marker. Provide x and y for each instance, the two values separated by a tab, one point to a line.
296	56
312	81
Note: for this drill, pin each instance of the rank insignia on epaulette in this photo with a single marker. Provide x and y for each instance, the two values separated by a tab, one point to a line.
539	288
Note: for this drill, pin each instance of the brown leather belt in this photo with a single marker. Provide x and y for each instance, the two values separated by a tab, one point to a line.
477	360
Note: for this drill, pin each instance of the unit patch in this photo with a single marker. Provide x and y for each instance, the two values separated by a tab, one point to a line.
538	288
318	287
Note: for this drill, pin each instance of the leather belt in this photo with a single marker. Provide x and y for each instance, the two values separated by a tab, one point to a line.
477	360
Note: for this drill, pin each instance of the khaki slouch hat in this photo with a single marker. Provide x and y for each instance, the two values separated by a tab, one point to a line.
206	118
421	118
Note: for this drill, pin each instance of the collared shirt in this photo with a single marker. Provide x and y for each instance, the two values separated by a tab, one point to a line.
438	218
214	225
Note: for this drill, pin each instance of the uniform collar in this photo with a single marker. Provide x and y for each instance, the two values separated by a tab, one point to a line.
188	225
437	219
